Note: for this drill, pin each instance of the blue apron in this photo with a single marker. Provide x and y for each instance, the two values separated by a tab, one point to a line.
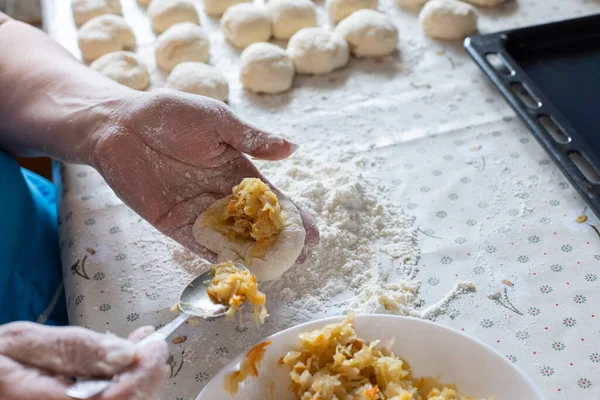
31	287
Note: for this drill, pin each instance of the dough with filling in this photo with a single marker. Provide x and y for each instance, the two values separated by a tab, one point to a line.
255	227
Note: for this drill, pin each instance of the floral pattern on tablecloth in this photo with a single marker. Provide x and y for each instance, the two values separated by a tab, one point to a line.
524	237
490	206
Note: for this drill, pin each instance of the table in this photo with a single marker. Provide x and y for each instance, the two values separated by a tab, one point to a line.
489	205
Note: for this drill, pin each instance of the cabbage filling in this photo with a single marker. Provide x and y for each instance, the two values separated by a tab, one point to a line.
232	287
333	363
248	367
252	213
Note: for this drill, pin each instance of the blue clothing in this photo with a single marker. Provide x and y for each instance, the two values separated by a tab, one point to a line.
31	286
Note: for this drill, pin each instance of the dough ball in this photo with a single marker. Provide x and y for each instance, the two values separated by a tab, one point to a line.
143	3
448	19
185	41
486	3
84	10
246	23
218	7
104	34
266	68
411	4
340	9
317	51
165	13
199	78
289	16
124	67
369	33
278	258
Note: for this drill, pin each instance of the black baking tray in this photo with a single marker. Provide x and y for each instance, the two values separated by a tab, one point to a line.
550	75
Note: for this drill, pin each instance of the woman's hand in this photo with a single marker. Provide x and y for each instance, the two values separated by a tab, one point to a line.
169	156
35	361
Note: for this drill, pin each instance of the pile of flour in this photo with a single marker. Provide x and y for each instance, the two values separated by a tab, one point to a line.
366	260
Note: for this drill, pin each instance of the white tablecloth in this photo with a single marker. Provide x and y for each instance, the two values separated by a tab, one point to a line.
490	206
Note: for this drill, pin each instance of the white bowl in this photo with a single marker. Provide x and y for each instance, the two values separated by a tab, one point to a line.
430	349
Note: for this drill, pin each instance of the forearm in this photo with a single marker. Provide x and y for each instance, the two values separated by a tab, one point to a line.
50	104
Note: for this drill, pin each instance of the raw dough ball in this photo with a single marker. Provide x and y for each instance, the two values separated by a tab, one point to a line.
218	7
278	258
289	16
486	3
199	78
84	10
185	41
104	34
246	23
124	67
369	33
448	19
340	9
143	3
411	4
317	51
165	13
266	68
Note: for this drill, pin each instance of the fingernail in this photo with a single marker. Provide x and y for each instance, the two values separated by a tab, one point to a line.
294	147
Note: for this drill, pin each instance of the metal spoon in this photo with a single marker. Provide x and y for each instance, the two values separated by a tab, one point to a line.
193	302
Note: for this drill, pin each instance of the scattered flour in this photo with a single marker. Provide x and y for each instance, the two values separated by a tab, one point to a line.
366	261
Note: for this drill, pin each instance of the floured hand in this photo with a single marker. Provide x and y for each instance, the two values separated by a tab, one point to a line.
35	361
170	155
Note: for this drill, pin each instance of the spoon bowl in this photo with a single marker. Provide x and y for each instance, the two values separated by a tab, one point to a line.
195	301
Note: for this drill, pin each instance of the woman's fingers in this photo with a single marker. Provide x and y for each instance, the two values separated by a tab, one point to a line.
29	383
251	140
69	351
140	333
144	379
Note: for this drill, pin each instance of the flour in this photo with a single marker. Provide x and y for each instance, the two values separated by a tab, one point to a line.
368	250
366	261
190	262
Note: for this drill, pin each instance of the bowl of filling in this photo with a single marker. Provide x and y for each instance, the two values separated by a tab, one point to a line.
370	357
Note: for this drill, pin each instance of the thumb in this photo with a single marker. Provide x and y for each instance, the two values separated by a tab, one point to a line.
66	350
253	141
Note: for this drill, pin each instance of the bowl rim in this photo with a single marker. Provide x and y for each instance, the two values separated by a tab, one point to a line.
315	324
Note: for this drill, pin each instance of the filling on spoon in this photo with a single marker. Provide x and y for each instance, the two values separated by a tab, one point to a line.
232	287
